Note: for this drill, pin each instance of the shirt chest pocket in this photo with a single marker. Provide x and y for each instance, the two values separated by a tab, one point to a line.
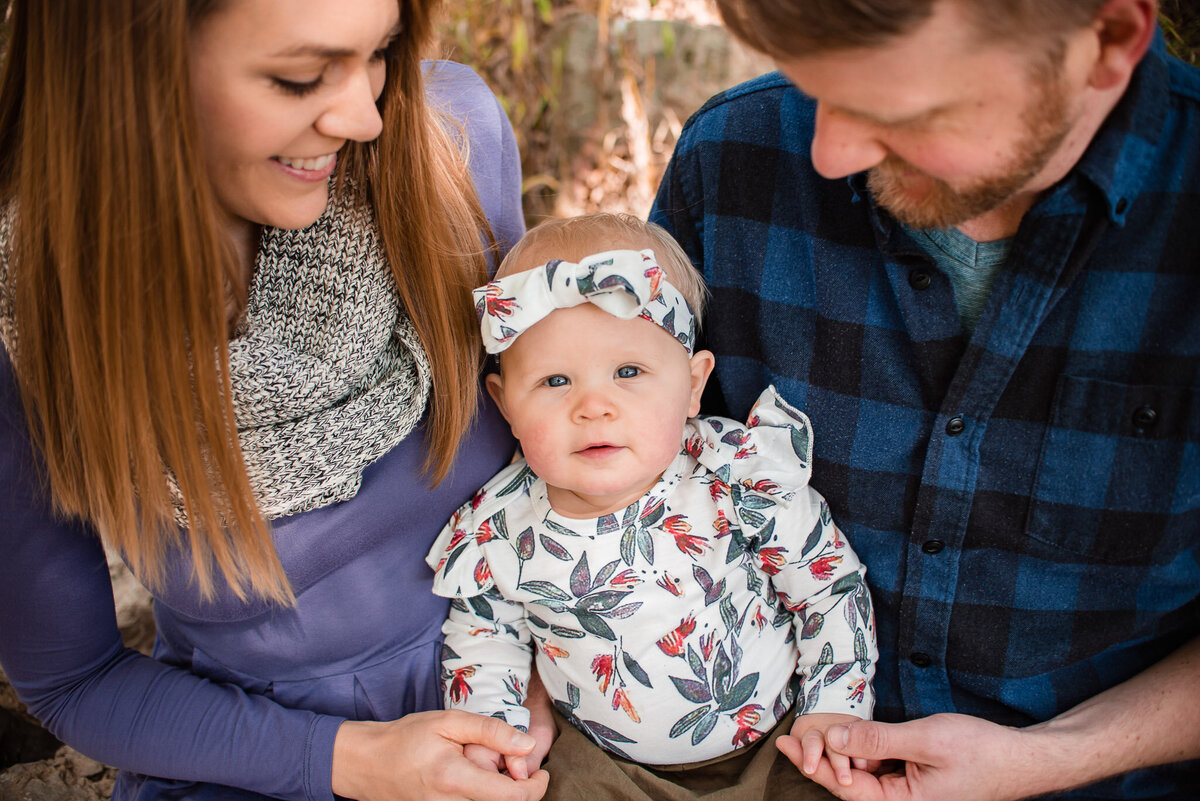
1118	477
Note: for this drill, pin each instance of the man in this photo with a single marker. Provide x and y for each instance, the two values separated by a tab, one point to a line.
966	242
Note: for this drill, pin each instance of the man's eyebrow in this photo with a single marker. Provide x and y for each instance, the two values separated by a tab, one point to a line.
895	122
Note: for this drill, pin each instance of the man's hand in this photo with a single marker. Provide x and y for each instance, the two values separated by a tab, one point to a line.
940	757
806	743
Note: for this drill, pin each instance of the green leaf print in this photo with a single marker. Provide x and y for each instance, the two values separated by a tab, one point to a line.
694	691
845	584
653	512
481	607
601	601
712	592
645	544
525	544
628	545
800	442
594	624
837	671
572	695
560	530
739	693
810	702
563	631
605	573
525	476
636	670
622	612
544	589
812	626
696	664
729	614
688	721
554	549
754	501
581	577
814	537
500	525
860	649
704	727
607	524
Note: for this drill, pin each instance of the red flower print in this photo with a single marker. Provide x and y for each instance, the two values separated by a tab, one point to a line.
758	621
477	499
669	583
496	305
621	701
764	485
626	578
691	544
602	666
721	524
745	452
856	690
694	446
706	644
553	651
485	533
655	274
747	716
772	559
822	569
743	737
837	538
459	689
718	489
671	643
482	572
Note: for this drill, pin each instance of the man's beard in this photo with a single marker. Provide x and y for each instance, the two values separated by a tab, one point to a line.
1047	122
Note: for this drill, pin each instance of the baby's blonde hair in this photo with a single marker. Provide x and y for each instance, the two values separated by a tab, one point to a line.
575	238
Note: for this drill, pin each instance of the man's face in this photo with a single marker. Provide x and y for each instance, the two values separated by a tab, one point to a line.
947	126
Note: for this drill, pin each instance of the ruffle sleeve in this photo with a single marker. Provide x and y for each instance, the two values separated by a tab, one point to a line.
763	462
458	556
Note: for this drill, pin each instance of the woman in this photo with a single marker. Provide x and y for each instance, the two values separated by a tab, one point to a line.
260	412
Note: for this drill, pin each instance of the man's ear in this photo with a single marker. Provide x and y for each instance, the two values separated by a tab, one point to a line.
1125	29
701	367
495	388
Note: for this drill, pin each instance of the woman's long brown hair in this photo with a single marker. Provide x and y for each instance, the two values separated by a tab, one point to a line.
118	264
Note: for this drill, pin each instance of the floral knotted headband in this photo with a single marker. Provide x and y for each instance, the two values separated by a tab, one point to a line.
624	283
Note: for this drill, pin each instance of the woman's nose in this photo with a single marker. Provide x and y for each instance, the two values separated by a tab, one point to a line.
353	114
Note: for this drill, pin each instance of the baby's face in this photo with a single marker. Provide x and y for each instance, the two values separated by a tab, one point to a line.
599	405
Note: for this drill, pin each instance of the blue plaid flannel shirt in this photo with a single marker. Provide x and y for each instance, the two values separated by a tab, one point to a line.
1027	500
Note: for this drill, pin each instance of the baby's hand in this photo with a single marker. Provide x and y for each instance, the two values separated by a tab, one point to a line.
488	759
810	731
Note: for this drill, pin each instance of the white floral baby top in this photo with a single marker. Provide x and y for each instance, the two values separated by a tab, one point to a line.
678	629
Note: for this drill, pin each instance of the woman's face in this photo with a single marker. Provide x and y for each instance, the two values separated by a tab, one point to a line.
280	86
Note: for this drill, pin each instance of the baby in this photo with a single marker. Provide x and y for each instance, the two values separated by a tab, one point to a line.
681	585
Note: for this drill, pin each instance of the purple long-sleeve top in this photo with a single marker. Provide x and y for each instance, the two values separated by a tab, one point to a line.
245	694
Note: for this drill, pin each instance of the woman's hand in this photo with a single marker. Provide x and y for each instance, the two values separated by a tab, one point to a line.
420	756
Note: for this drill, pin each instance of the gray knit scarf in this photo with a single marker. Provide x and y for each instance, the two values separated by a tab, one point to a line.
327	371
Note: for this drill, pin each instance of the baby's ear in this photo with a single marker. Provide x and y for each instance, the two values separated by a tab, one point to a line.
701	366
495	388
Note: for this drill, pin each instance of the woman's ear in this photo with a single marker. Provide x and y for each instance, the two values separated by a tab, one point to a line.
1125	29
495	388
701	367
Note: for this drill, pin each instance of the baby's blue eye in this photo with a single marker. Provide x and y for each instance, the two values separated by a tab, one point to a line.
628	371
556	381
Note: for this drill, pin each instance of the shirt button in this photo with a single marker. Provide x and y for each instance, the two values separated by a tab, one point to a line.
920	660
1145	417
933	546
955	426
919	279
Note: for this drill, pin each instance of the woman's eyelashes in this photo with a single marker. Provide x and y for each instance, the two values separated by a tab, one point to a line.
299	88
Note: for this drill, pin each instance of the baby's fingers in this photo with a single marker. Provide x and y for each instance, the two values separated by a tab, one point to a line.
483	757
841	766
812	745
517	766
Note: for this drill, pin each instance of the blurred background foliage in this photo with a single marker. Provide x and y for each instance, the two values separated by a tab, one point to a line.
528	52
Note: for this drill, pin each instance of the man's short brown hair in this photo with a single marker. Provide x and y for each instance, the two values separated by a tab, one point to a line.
788	29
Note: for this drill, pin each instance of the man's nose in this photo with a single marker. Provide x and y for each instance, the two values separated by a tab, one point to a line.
843	145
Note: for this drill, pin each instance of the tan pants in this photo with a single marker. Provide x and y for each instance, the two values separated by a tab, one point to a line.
580	769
